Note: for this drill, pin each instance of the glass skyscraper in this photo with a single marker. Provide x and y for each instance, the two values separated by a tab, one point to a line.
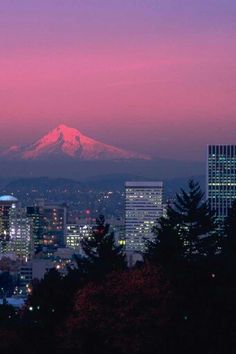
221	178
143	206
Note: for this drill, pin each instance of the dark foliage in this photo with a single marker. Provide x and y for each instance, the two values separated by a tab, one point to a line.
182	299
101	255
167	249
122	315
229	239
47	302
189	230
6	284
52	298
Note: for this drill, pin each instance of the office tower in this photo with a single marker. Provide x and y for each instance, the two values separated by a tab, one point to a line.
143	206
118	227
75	234
20	242
221	178
36	216
8	211
54	219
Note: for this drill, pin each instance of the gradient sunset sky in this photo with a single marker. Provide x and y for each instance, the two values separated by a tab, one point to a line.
156	76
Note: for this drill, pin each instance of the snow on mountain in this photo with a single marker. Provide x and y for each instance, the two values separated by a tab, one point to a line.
65	141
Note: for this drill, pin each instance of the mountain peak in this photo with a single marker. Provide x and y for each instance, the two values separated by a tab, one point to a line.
63	127
66	141
64	131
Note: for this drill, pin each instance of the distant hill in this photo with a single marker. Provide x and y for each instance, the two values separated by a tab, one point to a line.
113	182
81	170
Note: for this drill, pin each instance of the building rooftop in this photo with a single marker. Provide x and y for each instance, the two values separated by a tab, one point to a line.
144	184
8	198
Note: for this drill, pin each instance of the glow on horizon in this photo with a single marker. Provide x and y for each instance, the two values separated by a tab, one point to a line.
142	75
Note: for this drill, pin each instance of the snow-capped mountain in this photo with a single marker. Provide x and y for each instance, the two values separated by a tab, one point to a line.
64	141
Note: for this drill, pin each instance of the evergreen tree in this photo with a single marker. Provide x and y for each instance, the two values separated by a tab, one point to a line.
101	255
46	303
197	224
188	231
129	312
167	249
229	240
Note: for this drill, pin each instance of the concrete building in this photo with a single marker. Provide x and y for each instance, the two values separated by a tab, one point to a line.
35	269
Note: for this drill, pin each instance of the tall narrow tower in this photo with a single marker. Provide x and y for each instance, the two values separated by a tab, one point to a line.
221	178
8	213
143	206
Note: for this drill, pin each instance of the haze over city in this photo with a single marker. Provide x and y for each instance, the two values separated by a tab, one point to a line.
156	77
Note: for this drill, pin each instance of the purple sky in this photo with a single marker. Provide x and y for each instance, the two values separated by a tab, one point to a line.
153	76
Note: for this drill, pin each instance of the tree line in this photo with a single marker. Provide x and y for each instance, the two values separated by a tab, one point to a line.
181	298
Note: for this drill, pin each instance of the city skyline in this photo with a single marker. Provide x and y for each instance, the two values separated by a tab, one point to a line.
118	176
154	77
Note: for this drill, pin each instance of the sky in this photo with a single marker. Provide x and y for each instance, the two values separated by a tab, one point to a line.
155	76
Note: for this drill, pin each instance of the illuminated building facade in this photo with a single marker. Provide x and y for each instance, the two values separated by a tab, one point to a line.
221	178
75	234
8	212
49	224
35	215
20	242
143	206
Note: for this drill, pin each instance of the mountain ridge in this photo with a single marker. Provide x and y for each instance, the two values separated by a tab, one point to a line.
64	141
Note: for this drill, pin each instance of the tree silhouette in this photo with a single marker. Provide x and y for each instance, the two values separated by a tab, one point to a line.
101	254
228	241
167	248
47	302
197	224
186	243
128	313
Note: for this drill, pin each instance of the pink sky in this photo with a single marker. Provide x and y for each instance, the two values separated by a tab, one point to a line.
158	80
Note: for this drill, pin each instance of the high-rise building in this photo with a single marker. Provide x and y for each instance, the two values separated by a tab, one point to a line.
15	229
221	178
49	224
20	243
143	206
8	212
75	234
36	216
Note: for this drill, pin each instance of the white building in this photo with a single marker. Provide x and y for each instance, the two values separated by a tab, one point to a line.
20	242
143	206
75	233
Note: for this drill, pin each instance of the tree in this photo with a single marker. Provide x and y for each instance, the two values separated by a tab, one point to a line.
128	313
195	221
228	241
47	302
101	254
6	284
7	315
167	248
186	242
187	231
